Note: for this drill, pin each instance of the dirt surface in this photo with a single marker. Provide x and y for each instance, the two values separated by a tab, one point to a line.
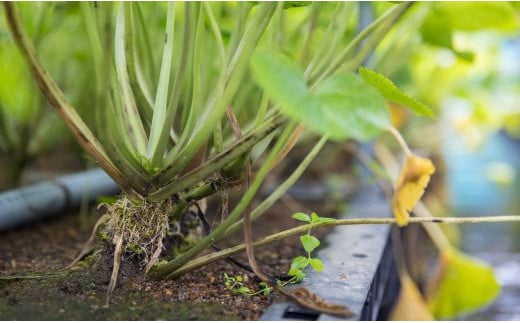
48	246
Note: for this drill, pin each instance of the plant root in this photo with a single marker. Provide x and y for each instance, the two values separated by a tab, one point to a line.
89	245
136	227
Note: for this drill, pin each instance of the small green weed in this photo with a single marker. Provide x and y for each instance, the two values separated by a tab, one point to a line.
236	285
309	243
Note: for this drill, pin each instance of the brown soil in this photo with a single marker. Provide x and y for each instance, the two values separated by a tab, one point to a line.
48	246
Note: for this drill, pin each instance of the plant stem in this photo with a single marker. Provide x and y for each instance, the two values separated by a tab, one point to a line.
214	236
201	261
280	191
179	157
390	16
399	138
217	163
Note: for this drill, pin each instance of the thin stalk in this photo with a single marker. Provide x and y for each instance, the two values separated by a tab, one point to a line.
331	38
278	26
191	111
399	138
313	23
238	31
215	235
57	99
159	125
218	140
368	47
282	188
136	76
190	24
217	133
178	158
222	254
130	114
391	15
147	46
262	110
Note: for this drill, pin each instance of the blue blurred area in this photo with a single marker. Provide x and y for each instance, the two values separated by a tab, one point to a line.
471	190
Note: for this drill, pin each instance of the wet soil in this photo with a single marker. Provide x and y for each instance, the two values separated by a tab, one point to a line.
48	246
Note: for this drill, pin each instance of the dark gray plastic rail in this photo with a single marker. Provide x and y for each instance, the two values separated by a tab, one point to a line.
34	202
359	268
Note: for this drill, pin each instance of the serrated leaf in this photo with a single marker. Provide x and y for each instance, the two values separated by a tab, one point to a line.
309	242
299	262
316	264
463	284
343	106
392	93
412	181
301	217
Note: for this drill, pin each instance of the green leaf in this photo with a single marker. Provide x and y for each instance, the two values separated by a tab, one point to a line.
299	263
392	93
297	273
475	16
309	242
281	78
160	128
316	264
343	106
301	217
315	218
243	290
466	284
436	30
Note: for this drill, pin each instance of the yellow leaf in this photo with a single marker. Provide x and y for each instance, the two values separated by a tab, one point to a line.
410	304
412	181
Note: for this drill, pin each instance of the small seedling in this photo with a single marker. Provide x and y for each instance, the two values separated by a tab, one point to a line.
309	243
235	284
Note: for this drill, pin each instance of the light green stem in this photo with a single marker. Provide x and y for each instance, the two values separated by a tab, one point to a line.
201	261
280	191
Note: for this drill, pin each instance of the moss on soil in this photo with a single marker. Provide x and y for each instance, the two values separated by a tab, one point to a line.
78	297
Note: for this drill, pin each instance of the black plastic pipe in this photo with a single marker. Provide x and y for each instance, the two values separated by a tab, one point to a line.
37	201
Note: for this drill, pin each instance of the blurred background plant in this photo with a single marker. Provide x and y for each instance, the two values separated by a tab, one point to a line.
30	133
